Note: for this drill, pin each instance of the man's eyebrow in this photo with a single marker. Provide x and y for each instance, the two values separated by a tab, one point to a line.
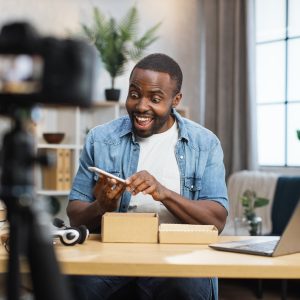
152	91
132	85
157	91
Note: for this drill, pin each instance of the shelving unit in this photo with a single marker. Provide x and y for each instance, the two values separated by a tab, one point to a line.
75	122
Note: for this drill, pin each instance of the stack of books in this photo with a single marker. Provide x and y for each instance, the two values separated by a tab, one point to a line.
58	175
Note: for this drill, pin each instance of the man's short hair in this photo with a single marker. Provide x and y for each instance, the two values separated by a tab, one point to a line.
162	63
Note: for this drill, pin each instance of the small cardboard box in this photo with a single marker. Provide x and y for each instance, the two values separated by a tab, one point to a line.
129	228
187	234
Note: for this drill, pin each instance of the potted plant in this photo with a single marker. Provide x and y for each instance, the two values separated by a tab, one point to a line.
250	202
117	43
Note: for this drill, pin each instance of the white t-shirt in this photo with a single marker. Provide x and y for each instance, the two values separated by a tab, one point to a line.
157	156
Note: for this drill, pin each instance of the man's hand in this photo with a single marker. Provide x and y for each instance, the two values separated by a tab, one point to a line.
107	192
144	182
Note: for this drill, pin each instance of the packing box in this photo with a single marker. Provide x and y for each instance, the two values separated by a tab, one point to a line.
187	234
129	228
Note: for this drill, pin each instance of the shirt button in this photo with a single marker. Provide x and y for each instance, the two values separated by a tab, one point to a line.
181	156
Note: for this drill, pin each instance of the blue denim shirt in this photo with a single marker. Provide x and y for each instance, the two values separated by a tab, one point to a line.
112	147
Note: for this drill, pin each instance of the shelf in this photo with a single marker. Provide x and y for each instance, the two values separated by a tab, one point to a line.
52	193
58	146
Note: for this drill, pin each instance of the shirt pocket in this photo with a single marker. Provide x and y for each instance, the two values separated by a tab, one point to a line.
193	183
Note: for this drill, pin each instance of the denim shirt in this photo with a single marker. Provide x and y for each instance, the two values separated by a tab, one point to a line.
112	147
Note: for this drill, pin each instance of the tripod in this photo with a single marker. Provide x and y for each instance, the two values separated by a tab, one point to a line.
29	233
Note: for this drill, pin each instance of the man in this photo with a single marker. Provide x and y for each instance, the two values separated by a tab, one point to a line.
172	166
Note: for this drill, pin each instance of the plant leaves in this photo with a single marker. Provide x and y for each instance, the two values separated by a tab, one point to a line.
128	25
245	201
117	42
259	202
250	201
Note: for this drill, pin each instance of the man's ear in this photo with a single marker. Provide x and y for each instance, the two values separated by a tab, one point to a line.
176	100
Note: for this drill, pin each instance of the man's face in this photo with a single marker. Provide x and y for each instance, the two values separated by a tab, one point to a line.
150	100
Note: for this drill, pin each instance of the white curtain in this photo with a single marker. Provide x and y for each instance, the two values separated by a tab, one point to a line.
228	79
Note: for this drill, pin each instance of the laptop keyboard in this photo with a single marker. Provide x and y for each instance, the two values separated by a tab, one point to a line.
268	246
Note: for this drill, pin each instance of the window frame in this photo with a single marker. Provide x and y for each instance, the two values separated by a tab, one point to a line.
286	103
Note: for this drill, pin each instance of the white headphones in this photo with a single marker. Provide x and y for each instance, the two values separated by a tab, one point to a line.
70	236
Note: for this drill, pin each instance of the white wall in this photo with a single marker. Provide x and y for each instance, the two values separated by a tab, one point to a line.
179	33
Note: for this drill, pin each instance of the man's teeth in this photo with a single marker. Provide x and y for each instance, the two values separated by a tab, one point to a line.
143	119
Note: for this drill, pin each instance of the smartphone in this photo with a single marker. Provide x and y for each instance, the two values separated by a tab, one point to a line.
100	171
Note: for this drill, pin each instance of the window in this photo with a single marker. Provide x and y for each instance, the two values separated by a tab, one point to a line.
278	81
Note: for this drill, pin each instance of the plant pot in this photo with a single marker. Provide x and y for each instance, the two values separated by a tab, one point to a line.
112	94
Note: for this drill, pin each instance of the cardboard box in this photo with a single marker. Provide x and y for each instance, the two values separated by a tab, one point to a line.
187	234
129	228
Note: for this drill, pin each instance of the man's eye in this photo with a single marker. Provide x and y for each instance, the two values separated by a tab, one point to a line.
134	95
155	100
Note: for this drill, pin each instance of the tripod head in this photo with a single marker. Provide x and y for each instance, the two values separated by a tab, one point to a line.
45	70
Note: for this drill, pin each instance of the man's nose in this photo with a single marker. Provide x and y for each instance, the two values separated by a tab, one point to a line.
143	104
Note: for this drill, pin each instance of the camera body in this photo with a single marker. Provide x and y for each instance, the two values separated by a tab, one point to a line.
44	70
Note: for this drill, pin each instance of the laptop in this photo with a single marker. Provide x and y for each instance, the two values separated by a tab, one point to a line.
287	243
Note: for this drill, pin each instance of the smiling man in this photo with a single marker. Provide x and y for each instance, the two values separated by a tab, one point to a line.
172	166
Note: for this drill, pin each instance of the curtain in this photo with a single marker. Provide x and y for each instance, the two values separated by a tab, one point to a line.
228	79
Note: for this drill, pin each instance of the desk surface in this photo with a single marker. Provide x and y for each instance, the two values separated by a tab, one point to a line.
172	260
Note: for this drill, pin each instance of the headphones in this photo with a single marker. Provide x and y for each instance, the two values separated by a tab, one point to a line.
70	236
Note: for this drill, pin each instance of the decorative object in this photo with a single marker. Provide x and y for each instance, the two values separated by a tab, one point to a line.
117	43
53	137
250	202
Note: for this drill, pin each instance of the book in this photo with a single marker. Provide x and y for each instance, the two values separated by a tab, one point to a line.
58	175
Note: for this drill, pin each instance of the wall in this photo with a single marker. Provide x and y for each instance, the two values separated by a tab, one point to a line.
179	33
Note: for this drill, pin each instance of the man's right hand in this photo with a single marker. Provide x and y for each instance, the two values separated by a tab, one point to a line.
107	192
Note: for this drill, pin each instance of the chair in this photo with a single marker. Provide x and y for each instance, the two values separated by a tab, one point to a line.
286	197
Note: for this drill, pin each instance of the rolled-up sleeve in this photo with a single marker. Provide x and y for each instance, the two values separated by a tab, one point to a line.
84	181
213	180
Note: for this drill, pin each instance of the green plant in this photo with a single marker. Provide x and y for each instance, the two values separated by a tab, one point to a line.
250	202
117	43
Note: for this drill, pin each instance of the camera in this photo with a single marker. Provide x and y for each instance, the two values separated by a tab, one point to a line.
44	70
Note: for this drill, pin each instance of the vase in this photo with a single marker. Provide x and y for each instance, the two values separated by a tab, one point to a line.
255	226
112	94
244	226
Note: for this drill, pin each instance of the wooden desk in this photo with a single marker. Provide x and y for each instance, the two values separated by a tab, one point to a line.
172	260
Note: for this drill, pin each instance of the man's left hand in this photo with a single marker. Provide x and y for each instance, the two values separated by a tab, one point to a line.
144	182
